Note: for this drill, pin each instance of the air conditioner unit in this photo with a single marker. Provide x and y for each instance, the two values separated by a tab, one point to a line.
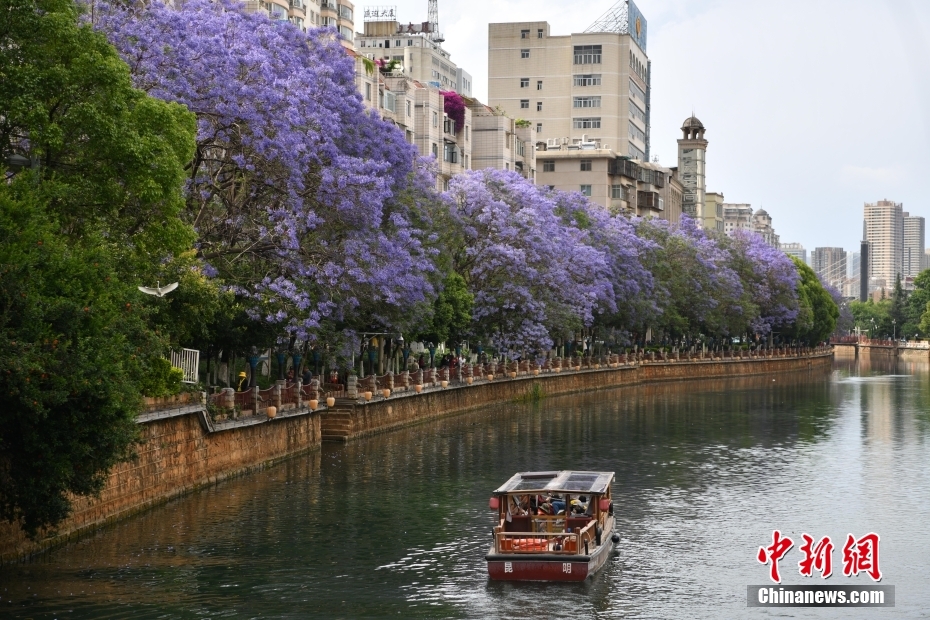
552	143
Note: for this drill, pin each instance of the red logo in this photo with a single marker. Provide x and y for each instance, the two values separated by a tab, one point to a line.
859	556
774	553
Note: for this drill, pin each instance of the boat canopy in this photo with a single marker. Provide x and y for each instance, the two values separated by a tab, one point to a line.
558	481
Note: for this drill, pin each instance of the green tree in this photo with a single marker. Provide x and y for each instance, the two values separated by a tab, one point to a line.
93	216
916	306
451	312
817	311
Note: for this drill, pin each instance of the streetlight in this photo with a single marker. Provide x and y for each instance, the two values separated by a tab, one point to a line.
894	332
872	329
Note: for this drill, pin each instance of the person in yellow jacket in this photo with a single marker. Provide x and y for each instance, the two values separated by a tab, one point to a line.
243	384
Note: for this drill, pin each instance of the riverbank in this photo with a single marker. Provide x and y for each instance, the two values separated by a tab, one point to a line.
183	449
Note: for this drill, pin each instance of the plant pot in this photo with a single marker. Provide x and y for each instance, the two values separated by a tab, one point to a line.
513	375
536	372
367	395
418	388
314	403
444	384
385	392
490	377
469	380
330	401
271	412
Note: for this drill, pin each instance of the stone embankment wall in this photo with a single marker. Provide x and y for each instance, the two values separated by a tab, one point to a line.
182	449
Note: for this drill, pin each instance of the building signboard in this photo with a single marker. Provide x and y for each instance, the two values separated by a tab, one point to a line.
380	13
637	25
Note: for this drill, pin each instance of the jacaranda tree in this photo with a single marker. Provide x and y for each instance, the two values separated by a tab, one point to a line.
294	187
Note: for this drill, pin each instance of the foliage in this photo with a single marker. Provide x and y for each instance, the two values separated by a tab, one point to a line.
162	379
817	312
452	312
454	107
916	305
872	318
97	214
522	123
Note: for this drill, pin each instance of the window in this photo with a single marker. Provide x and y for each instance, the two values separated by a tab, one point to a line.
636	92
538	84
435	119
409	113
367	92
586	190
506	165
524	53
390	101
635	153
636	113
524	34
586	165
588	79
539	33
524	104
616	192
538	127
410	42
450	153
466	163
549	165
466	133
396	42
586	102
524	82
586	123
539	106
587	54
435	150
637	133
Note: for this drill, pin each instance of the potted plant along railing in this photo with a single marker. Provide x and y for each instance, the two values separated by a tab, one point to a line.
330	401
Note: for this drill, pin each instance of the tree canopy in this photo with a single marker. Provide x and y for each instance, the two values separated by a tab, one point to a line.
94	215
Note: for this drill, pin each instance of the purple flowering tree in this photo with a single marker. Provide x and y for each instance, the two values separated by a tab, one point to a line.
697	293
533	275
769	279
301	199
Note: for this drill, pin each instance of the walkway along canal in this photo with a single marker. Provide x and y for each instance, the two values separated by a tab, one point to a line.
183	448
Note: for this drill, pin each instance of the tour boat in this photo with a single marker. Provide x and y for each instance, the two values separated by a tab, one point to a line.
552	526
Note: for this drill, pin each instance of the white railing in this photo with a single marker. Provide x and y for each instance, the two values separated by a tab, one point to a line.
187	360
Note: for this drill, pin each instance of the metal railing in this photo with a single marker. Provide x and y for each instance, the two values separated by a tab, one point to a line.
187	360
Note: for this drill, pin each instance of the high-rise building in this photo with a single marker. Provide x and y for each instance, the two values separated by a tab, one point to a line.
794	249
925	260
864	258
913	250
884	230
692	157
830	265
583	87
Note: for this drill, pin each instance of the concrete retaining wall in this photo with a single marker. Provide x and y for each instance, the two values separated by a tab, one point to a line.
182	450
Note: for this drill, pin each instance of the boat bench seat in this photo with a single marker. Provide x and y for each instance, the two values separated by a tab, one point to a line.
577	523
517	523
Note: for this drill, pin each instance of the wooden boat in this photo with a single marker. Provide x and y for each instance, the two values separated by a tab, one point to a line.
552	526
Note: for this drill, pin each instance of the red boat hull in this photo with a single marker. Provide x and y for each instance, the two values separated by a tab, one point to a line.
519	569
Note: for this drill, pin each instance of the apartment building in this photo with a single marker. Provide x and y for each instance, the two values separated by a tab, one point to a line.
762	226
307	14
884	230
583	87
795	249
416	49
712	219
831	265
616	182
913	248
501	142
692	166
736	216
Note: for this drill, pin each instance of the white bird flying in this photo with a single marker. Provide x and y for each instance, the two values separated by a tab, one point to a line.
158	291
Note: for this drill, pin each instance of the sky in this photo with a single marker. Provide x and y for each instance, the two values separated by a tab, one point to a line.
812	108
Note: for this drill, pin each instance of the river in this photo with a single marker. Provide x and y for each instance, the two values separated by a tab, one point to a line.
397	525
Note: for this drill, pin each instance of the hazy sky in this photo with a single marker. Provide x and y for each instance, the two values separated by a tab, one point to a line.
812	107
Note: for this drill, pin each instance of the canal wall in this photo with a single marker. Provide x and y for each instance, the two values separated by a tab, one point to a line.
182	449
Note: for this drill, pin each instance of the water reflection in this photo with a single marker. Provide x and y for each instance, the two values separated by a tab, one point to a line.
397	524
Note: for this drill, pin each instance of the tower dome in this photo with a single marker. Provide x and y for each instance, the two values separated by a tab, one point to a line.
692	128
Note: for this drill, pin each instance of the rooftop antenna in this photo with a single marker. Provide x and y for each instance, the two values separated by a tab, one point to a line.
434	33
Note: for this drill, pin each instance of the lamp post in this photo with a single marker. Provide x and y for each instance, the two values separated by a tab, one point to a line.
872	329
432	354
372	354
894	332
282	361
253	360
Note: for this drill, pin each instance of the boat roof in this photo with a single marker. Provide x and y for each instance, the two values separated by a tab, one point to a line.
566	481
